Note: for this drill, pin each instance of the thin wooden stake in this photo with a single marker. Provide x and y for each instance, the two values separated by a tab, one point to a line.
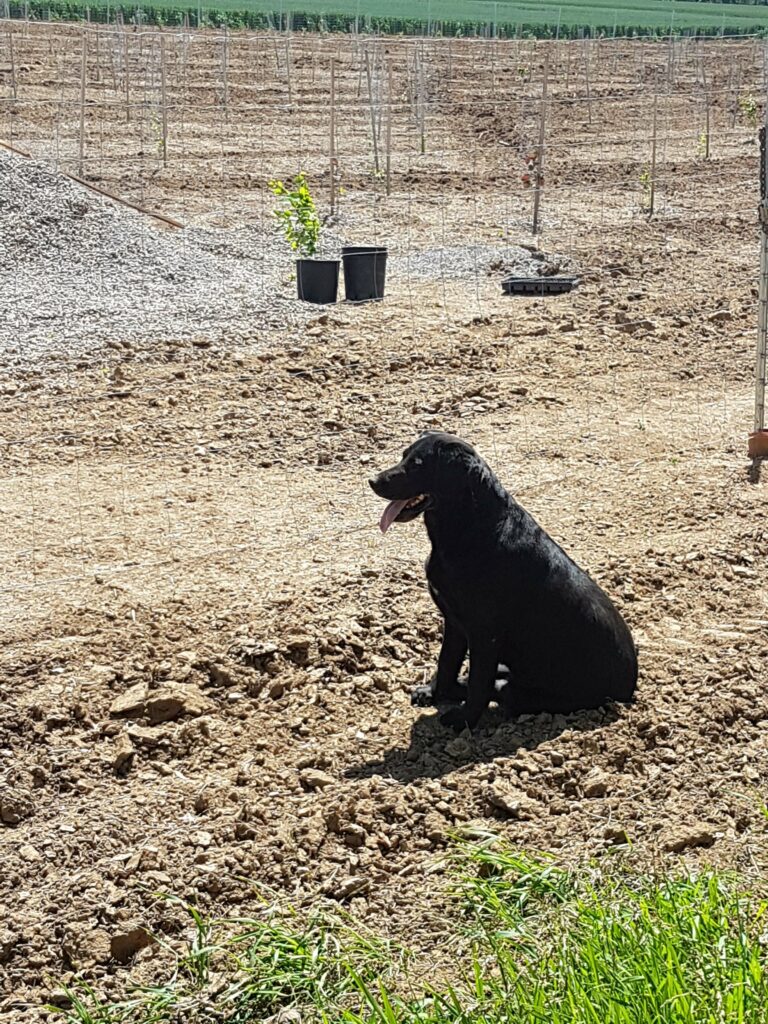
390	114
586	78
127	73
369	79
225	71
332	141
540	150
652	197
164	100
83	66
706	111
13	63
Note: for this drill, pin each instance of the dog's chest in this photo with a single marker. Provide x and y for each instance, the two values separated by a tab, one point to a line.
452	581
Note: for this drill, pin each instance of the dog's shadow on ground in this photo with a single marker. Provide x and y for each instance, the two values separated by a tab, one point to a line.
434	751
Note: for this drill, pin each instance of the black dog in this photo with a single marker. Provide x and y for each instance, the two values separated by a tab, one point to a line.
508	593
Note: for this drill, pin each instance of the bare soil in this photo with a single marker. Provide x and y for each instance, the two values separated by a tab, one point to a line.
207	648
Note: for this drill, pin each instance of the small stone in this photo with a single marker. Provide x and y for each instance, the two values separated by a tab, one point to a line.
126	943
87	947
15	806
8	941
688	837
132	702
356	885
28	853
355	836
123	753
203	839
597	783
172	701
314	778
514	804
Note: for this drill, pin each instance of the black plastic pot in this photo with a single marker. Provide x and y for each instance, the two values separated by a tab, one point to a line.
365	268
317	280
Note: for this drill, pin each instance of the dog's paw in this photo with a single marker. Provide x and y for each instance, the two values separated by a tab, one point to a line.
455	719
422	696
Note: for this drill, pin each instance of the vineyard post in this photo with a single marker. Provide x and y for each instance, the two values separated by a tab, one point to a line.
332	141
83	61
586	78
164	99
568	46
371	105
225	71
540	149
288	64
126	69
13	62
422	103
652	196
706	110
761	359
390	114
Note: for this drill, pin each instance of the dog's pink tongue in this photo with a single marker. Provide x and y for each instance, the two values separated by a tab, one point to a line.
390	513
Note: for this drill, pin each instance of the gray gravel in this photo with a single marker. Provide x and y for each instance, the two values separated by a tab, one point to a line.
78	271
456	262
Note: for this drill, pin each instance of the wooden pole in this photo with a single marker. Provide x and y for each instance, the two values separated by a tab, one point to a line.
332	140
652	197
127	73
390	115
13	63
83	67
761	361
371	104
540	150
586	78
164	100
225	71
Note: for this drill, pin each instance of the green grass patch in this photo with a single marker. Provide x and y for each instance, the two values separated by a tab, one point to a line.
544	18
534	943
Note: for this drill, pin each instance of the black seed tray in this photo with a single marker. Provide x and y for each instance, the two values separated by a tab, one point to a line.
538	285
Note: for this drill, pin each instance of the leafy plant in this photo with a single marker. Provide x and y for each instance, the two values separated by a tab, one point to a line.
298	215
749	109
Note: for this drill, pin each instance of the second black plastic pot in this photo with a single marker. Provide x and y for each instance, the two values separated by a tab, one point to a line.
317	280
365	269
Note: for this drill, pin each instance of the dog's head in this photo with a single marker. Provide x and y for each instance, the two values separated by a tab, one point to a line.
427	475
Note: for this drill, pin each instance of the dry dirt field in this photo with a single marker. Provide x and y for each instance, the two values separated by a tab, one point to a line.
207	647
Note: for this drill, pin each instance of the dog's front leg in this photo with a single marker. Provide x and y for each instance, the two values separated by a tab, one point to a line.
444	687
483	663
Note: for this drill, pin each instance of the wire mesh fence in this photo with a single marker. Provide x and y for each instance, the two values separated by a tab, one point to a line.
136	432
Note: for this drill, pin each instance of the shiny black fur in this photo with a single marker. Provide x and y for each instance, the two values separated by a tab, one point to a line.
509	595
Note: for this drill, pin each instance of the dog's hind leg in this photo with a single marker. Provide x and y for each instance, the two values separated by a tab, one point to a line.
483	666
444	687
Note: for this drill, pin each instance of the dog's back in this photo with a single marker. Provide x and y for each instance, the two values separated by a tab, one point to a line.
562	637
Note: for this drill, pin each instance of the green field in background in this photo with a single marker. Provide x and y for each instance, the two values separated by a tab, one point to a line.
444	17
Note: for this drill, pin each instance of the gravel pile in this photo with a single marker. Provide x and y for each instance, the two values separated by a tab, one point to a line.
77	270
